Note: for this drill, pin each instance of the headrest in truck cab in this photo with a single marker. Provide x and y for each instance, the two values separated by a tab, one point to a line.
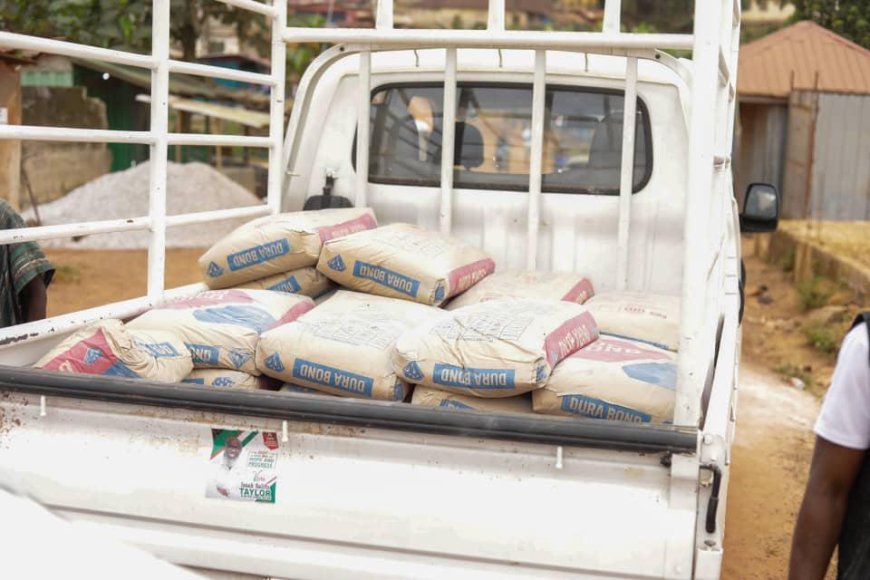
468	152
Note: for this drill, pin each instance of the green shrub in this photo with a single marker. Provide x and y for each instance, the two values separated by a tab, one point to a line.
814	292
789	370
822	337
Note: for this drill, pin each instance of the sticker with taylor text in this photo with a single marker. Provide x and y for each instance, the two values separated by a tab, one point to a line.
243	466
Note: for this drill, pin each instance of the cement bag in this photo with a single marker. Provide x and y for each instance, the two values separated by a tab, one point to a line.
653	318
221	328
513	284
227	378
344	346
109	348
436	398
405	261
305	281
499	348
613	378
279	243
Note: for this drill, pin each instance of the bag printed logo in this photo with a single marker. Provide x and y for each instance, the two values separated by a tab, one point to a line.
660	374
214	270
386	277
93	355
238	358
223	382
412	372
337	264
290	285
248	316
439	293
451	404
598	409
273	363
203	353
610	349
258	255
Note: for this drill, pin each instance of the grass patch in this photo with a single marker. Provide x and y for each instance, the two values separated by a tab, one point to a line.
814	292
66	274
822	337
789	370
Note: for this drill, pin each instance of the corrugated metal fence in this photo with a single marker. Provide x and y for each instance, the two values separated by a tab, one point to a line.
827	170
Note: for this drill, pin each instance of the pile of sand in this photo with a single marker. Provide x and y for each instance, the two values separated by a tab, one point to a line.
192	187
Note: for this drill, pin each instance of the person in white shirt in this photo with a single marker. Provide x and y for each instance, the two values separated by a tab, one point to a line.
836	505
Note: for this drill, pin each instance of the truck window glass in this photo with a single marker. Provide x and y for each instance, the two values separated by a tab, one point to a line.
582	143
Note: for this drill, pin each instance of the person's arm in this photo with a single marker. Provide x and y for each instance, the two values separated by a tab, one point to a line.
34	299
832	474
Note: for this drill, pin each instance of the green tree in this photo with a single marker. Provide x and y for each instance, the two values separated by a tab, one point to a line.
105	23
848	18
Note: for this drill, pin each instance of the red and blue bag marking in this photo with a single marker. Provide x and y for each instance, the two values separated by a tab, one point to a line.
91	356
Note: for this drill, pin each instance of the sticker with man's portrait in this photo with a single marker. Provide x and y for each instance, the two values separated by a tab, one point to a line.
243	466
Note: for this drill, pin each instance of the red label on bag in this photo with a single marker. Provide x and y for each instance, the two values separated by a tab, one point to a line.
294	313
607	349
366	222
463	278
570	337
210	298
580	293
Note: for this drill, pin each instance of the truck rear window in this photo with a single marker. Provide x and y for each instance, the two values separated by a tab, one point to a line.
582	140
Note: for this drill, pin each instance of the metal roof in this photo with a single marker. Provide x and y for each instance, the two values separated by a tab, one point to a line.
789	59
243	116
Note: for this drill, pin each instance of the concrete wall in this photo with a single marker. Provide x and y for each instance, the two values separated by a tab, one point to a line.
55	169
10	151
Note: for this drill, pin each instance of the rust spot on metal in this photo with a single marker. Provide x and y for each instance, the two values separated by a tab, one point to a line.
19	338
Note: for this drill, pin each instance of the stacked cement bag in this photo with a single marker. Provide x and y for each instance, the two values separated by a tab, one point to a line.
514	284
652	318
436	398
227	378
278	244
109	348
612	378
499	348
405	261
305	281
221	328
344	346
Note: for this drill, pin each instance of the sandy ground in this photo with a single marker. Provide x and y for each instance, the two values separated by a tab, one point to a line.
770	461
774	430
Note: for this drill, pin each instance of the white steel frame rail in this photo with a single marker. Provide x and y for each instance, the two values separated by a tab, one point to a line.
158	138
714	47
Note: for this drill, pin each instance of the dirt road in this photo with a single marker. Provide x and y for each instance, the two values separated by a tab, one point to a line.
768	472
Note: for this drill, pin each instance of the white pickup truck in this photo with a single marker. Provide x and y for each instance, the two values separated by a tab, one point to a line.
524	155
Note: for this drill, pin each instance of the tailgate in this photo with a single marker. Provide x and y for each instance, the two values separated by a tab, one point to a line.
357	500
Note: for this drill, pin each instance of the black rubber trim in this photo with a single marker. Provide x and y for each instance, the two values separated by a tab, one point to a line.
401	416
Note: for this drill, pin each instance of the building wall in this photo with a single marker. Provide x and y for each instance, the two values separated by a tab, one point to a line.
760	155
469	17
10	151
54	169
827	174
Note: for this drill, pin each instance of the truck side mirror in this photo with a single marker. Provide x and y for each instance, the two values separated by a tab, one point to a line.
760	209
